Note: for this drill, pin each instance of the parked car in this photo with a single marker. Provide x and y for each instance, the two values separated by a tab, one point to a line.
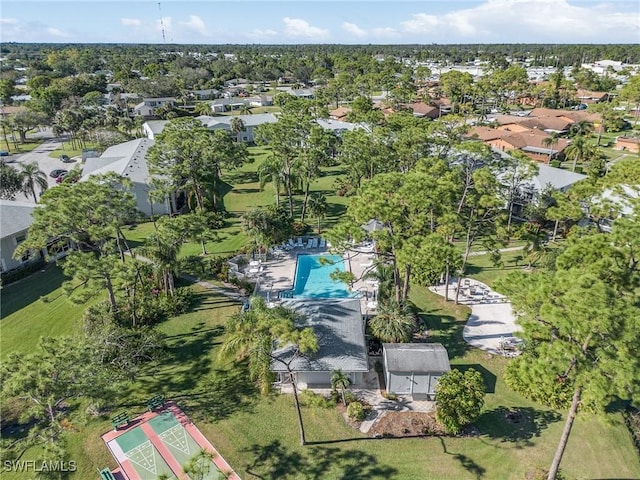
60	178
65	159
55	173
4	153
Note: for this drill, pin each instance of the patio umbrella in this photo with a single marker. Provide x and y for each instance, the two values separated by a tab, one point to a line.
373	225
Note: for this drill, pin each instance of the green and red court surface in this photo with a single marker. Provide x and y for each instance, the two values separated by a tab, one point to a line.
159	443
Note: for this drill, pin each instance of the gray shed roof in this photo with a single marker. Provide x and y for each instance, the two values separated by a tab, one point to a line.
127	159
15	217
339	327
416	357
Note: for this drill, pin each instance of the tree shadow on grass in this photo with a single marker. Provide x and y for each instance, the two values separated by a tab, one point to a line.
228	391
446	330
467	463
241	177
275	461
516	424
335	211
28	290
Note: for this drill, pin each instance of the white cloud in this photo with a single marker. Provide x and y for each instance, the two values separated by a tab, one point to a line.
131	22
8	21
258	33
527	21
56	32
296	27
195	23
354	29
385	32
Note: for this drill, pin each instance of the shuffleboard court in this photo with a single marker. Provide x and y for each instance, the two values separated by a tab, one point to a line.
162	443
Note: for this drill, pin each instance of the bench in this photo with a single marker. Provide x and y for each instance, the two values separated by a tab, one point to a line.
120	419
155	402
105	474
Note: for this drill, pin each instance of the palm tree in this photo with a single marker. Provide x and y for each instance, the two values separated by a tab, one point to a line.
271	170
577	149
237	126
550	142
318	207
394	322
383	273
199	466
341	382
255	334
32	176
202	108
255	223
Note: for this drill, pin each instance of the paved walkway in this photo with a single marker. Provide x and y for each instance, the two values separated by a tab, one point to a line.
491	321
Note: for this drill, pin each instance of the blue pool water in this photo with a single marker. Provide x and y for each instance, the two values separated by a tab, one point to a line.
313	279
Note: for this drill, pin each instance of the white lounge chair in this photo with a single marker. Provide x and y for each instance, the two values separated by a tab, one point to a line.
323	243
291	244
299	243
314	243
310	243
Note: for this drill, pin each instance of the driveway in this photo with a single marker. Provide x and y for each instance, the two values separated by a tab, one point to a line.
491	321
40	155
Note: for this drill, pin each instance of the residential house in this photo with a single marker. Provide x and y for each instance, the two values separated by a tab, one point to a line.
414	368
15	220
422	110
339	329
129	160
152	128
589	97
340	127
249	122
206	94
531	141
339	113
148	106
630	144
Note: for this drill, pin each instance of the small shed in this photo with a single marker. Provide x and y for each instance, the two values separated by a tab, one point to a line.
414	368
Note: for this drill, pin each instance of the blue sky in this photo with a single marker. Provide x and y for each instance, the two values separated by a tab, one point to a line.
321	21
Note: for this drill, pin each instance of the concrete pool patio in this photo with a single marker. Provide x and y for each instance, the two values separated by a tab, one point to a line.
492	324
277	274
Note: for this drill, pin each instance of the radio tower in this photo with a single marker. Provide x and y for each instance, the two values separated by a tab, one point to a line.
164	40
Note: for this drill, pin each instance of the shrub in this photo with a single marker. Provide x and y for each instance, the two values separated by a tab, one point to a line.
555	163
390	396
459	399
179	303
21	272
350	397
313	399
355	411
192	264
300	228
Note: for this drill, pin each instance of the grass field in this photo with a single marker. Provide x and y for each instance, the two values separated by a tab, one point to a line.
258	435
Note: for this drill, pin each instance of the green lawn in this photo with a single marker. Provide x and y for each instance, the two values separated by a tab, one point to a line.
259	436
66	149
241	192
36	307
21	147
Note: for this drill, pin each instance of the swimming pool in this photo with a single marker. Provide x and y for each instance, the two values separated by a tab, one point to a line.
313	279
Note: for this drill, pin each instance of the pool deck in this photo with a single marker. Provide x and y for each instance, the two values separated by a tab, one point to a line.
278	274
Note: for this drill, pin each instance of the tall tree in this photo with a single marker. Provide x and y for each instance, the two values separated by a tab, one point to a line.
10	182
579	322
340	381
192	158
318	207
33	177
255	335
89	215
